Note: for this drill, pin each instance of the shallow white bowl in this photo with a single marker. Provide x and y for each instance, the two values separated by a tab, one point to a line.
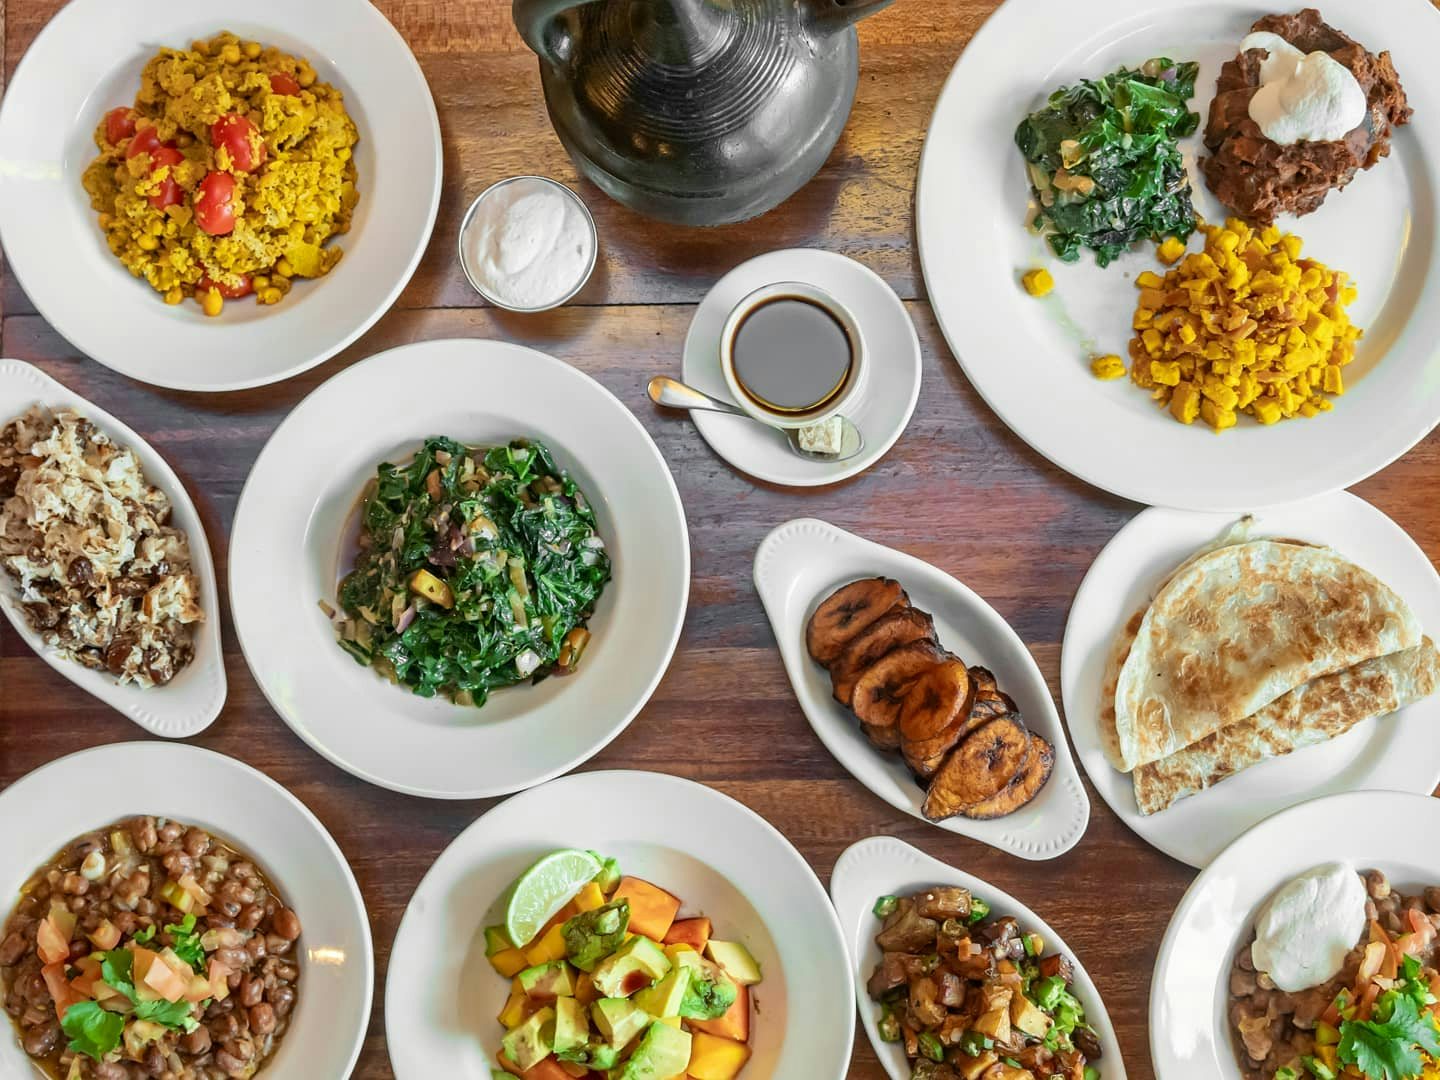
189	703
801	563
291	544
1030	359
1400	751
1371	830
88	60
94	788
722	859
885	866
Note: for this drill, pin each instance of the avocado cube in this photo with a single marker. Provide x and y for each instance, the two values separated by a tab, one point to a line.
636	965
572	1025
710	994
666	996
735	960
619	1020
663	1053
497	940
531	1042
593	935
609	875
546	982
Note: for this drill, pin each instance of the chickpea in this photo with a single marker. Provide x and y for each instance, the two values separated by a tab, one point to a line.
230	54
251	49
93	868
284	269
212	303
271	295
148	243
306	78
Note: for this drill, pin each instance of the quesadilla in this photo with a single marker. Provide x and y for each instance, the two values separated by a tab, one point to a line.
1320	710
1238	627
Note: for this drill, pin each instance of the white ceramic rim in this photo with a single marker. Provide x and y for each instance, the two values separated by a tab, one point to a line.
796	567
474	281
867	870
450	741
1390	410
696	821
122	344
190	702
854	383
1190	985
1379	751
334	921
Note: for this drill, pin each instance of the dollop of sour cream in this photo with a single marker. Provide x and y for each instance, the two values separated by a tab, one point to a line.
1303	97
1305	931
527	244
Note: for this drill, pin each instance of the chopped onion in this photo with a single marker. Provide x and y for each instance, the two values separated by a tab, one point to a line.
527	662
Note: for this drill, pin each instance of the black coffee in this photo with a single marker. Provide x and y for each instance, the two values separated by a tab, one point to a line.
791	355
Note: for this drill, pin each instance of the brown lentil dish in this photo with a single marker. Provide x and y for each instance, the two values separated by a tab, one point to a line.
1275	1030
150	949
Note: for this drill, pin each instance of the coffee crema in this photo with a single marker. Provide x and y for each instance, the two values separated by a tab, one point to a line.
791	355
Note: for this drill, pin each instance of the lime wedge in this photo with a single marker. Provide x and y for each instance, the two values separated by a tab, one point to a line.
544	889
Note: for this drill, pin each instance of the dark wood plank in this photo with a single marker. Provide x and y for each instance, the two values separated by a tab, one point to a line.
958	490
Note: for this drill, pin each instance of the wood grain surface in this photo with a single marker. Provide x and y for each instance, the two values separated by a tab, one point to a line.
958	490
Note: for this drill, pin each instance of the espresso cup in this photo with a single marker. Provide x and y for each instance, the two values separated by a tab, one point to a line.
792	355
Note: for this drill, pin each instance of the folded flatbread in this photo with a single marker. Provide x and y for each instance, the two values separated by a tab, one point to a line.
1237	628
1322	709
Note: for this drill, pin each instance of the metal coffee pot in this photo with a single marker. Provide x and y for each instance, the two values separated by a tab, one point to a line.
699	112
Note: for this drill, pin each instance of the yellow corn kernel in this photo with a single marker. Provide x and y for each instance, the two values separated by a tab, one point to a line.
1108	366
1037	282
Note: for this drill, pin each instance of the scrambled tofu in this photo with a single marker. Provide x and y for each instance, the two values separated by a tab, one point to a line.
229	174
102	576
1244	326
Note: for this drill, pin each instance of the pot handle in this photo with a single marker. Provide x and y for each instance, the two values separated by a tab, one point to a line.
829	16
537	22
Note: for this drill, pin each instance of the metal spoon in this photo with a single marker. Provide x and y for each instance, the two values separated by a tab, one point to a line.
674	394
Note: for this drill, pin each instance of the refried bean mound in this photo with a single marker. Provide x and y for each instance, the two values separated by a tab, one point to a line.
1258	178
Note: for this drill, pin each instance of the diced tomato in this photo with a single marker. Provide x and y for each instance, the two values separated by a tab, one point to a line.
229	292
282	83
215	204
219	980
52	943
59	987
237	135
146	141
119	125
169	193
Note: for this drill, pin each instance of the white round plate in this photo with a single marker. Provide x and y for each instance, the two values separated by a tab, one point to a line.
87	61
292	542
79	793
1400	752
188	703
1189	1031
891	389
1030	359
885	866
801	563
722	859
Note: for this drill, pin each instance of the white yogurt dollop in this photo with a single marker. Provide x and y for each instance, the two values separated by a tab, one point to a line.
1303	98
1305	931
528	244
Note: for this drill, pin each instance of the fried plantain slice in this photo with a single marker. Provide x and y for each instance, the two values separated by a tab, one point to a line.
881	688
979	768
887	633
1021	790
847	611
935	716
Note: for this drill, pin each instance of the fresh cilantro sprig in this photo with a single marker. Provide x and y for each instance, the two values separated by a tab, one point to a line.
93	1031
1389	1046
117	970
187	943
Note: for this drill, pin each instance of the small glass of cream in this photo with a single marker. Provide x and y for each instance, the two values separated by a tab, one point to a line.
528	244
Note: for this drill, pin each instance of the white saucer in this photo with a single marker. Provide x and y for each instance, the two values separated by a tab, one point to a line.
892	386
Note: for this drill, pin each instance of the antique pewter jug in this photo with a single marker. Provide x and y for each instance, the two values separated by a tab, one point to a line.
700	112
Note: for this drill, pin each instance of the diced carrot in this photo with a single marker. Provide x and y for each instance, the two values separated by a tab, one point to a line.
692	932
735	1024
652	909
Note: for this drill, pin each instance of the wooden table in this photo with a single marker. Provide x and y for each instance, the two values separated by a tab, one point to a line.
958	490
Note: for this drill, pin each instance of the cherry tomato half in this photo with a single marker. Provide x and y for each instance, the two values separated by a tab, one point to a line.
146	141
119	125
229	292
237	135
215	203
282	83
169	193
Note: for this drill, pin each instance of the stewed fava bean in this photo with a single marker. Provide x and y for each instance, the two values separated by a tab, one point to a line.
150	949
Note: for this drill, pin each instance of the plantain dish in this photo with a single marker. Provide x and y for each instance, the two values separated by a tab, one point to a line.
229	174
